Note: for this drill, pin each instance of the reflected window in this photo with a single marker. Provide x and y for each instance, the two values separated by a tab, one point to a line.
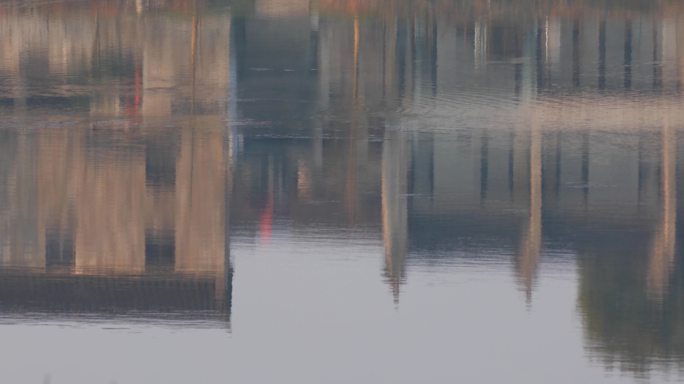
160	163
160	250
59	249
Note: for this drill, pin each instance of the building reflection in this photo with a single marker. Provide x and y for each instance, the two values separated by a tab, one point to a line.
347	116
124	213
549	178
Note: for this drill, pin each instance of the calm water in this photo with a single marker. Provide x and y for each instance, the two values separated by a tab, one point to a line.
338	191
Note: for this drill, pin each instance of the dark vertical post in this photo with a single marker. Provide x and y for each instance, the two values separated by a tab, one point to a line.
484	165
576	68
585	167
602	55
628	55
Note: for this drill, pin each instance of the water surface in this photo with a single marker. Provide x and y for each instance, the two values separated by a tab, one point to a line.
337	191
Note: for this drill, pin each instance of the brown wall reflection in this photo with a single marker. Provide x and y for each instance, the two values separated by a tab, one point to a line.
124	212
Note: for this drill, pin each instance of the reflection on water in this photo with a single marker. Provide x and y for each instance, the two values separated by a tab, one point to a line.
473	149
105	210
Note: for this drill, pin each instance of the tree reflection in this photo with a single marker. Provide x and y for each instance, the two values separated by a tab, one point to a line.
630	296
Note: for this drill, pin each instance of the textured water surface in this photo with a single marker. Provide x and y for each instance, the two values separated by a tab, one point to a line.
337	191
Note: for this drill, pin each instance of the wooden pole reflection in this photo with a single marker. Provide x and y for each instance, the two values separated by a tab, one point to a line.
356	59
351	185
662	253
193	53
389	57
395	160
532	237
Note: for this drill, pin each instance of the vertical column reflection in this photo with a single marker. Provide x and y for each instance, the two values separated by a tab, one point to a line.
532	236
395	160
576	56
602	54
627	62
662	252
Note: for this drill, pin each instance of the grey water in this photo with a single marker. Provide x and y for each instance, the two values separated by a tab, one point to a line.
336	191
